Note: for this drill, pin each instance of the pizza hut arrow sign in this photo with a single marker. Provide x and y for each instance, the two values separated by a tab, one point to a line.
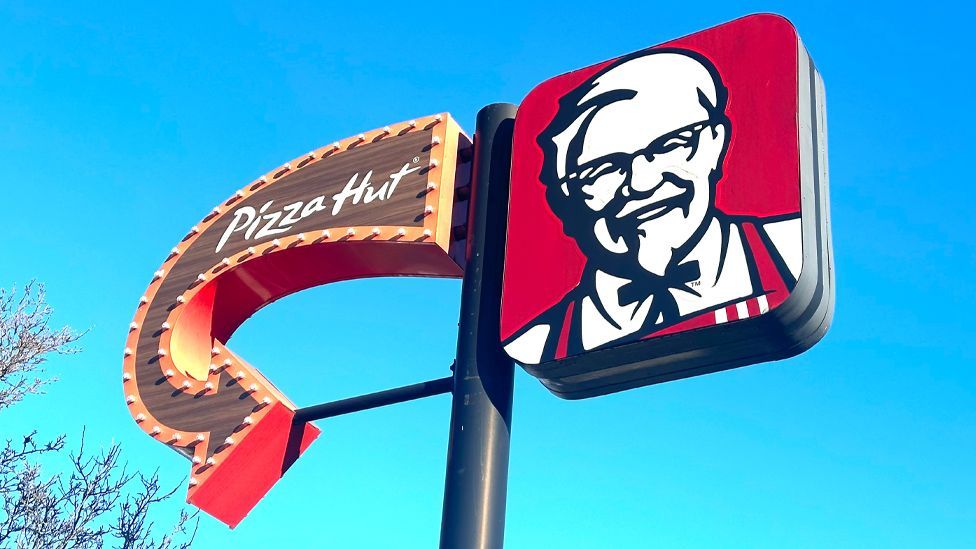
378	204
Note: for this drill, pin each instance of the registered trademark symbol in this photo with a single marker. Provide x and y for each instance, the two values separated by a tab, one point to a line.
416	159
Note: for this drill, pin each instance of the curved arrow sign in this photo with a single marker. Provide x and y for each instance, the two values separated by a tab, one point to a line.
378	204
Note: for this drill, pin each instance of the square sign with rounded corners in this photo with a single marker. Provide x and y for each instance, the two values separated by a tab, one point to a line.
668	214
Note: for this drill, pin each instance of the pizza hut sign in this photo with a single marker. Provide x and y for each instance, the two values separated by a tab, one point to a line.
378	204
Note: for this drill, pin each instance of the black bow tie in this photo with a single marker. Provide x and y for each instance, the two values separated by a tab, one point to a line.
664	305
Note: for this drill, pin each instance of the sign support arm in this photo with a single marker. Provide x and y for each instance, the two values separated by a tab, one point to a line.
374	400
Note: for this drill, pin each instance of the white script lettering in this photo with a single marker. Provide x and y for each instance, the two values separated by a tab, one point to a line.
356	191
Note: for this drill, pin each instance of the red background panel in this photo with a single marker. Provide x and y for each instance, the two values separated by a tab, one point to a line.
756	57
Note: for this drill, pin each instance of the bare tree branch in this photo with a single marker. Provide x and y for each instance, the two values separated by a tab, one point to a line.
96	500
26	338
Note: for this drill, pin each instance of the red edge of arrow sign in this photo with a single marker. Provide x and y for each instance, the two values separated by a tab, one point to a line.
254	467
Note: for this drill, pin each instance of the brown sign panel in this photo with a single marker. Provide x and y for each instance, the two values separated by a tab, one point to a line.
378	204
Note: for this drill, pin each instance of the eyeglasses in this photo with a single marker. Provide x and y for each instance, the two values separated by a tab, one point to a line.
621	163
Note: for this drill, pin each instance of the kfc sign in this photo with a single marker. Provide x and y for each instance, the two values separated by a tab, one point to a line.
668	213
379	204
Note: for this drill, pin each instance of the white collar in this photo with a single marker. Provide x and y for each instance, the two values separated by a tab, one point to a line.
724	278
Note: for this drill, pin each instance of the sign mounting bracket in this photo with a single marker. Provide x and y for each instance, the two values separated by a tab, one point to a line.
375	400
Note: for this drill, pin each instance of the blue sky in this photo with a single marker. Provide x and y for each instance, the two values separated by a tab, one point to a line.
120	126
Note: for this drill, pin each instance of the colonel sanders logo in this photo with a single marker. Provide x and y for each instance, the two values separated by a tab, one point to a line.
632	161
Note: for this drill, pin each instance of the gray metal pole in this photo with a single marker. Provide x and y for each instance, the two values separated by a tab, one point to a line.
481	412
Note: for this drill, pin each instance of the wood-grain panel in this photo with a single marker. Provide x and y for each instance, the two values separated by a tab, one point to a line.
317	177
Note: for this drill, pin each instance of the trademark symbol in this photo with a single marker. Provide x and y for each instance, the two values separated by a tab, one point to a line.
696	283
416	159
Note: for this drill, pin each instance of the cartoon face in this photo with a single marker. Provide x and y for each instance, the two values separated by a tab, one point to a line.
633	194
661	205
